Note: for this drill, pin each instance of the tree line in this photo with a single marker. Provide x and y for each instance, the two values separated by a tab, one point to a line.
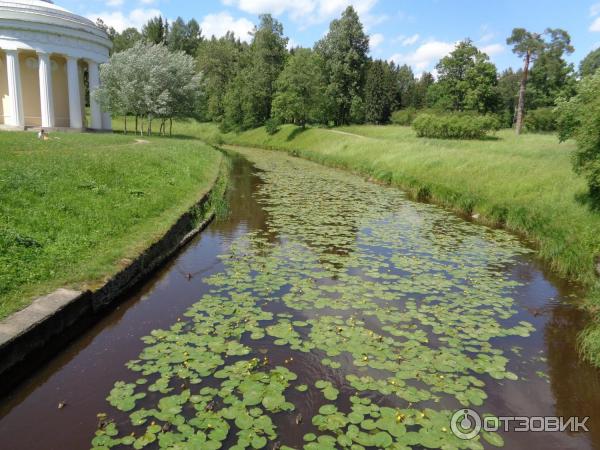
249	84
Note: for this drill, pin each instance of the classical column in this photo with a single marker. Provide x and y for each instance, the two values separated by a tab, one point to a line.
46	98
75	119
94	80
106	121
15	95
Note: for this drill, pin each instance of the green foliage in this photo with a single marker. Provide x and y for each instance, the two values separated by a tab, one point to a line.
272	126
149	81
466	81
126	39
454	126
156	30
248	99
344	50
404	117
579	118
300	97
590	63
422	86
382	91
541	120
72	207
184	36
551	76
219	60
508	93
357	110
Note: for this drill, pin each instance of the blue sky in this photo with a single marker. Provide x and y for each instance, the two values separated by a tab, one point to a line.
416	32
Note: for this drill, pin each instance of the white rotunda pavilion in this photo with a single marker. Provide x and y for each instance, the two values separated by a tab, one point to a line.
46	53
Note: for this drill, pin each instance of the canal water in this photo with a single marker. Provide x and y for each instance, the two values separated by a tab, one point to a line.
323	312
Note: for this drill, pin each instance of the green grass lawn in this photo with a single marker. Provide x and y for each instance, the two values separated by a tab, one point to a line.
525	183
74	207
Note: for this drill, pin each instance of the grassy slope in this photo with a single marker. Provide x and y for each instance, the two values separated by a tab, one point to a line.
71	208
525	183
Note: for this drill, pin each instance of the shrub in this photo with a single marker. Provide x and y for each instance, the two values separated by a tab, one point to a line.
454	126
404	117
541	119
272	126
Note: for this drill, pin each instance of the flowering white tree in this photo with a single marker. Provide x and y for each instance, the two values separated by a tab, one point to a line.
150	83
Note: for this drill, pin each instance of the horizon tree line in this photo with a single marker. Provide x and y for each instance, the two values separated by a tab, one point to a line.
248	84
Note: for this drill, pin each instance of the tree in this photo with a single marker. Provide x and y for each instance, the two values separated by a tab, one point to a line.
149	82
126	39
508	92
590	63
219	60
579	118
345	49
155	31
185	37
466	80
407	86
526	45
300	96
421	89
381	91
269	52
551	76
253	88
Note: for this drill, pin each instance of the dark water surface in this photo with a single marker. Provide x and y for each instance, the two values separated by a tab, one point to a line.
400	304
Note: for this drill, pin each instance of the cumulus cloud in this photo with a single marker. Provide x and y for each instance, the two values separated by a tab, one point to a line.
595	26
493	49
410	40
376	40
137	18
219	24
595	9
425	56
307	11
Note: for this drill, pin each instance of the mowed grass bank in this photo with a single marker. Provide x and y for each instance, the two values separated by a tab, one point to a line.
74	207
524	183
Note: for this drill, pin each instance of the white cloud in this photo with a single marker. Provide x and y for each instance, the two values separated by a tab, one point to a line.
219	24
425	56
493	49
410	40
376	40
119	21
114	3
307	11
595	26
595	9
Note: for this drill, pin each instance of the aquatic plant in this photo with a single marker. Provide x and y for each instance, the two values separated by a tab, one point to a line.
377	310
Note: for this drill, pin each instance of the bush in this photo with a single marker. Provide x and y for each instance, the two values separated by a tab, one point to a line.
404	117
272	126
454	126
542	119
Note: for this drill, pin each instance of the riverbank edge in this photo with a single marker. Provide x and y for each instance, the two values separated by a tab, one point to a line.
30	337
588	338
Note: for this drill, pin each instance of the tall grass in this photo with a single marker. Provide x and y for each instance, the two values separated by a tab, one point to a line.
74	208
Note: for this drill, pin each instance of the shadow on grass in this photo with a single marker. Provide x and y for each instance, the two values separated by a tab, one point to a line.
587	199
294	134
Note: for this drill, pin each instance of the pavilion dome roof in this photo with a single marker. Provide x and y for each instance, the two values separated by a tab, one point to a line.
45	12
